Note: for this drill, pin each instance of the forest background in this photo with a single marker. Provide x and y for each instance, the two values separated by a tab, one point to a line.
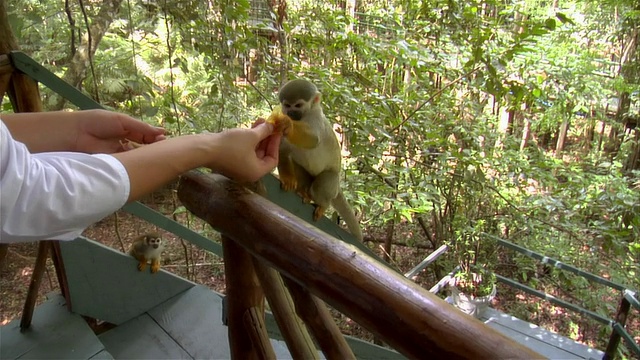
512	119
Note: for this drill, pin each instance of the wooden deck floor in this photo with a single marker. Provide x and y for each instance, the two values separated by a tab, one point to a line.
545	342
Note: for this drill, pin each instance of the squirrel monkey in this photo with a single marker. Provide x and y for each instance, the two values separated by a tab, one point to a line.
147	247
310	154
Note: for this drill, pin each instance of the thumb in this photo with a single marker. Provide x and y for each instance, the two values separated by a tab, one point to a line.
263	130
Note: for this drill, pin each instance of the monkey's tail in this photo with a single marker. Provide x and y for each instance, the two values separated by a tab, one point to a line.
346	212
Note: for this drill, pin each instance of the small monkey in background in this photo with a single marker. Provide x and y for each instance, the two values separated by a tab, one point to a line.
310	154
147	247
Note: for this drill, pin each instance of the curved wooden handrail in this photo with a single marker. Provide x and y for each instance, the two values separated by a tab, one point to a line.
413	321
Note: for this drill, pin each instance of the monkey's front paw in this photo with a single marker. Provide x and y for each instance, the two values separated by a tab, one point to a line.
155	266
318	213
306	197
288	184
281	122
142	265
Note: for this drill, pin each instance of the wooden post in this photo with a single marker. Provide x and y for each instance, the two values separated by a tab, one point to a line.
243	294
253	320
58	265
316	315
413	321
614	340
293	331
34	285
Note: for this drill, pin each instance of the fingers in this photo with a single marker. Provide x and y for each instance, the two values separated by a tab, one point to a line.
263	130
273	146
258	122
144	133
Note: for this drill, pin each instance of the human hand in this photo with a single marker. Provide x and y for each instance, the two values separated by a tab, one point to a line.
102	131
247	154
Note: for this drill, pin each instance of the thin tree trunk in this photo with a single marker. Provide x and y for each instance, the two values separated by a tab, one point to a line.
562	137
506	117
633	160
526	134
8	41
76	72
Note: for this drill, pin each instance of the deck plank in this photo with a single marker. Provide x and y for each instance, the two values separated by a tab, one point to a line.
541	340
194	320
141	338
55	333
200	330
102	355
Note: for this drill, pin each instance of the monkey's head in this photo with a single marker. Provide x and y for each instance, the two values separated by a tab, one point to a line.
297	97
153	240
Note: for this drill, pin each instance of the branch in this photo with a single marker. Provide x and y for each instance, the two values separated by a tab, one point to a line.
437	93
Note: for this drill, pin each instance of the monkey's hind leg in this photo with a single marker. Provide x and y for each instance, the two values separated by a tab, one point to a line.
155	265
142	263
294	177
323	190
286	172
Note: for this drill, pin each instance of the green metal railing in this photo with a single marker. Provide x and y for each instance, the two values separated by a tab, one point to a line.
628	296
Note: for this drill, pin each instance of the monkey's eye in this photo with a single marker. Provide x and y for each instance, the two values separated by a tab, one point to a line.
298	106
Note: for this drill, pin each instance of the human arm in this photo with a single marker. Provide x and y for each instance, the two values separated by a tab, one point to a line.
88	131
56	195
240	154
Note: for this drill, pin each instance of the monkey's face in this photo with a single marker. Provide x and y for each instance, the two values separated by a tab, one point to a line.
153	241
295	110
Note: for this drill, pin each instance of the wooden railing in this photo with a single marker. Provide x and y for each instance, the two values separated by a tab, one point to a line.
413	321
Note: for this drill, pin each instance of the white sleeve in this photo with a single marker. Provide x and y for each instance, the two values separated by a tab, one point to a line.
56	195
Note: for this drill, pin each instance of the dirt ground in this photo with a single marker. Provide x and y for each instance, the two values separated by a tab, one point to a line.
193	263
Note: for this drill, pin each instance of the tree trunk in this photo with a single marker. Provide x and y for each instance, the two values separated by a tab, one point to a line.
526	134
77	69
562	137
633	160
506	117
8	41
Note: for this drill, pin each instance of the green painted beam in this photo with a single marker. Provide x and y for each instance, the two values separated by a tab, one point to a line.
628	339
39	73
294	204
554	300
160	220
555	263
631	298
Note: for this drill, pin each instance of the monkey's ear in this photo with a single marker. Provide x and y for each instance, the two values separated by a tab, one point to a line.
316	99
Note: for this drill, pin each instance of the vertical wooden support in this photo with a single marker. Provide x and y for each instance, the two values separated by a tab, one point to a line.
243	294
614	340
58	264
6	70
34	285
315	314
24	93
293	331
253	321
4	248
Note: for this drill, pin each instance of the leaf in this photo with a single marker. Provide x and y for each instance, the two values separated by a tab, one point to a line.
564	19
550	24
180	210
